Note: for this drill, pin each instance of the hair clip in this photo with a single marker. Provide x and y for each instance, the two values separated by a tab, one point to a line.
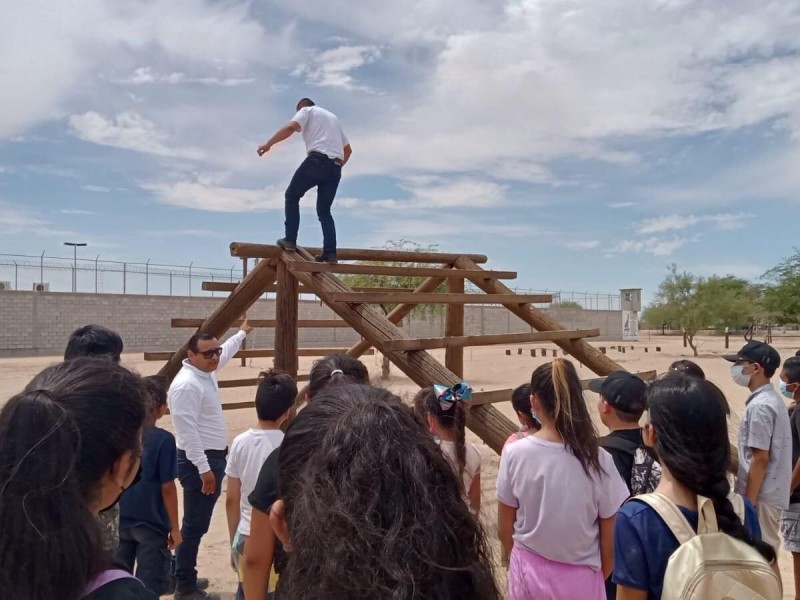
337	372
448	396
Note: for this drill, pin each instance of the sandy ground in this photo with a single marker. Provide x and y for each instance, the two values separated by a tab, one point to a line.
486	369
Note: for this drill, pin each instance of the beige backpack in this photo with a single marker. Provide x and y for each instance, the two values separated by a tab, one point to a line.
710	564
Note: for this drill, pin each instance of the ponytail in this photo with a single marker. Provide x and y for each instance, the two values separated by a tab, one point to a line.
689	417
336	368
558	388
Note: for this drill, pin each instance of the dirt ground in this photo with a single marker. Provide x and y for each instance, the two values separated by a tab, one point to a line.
485	368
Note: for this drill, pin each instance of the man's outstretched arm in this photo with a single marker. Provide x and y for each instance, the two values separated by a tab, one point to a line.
283	133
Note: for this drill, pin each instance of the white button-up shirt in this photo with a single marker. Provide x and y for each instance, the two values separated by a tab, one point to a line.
196	408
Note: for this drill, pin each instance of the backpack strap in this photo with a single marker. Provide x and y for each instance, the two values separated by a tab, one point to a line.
671	515
103	578
617	443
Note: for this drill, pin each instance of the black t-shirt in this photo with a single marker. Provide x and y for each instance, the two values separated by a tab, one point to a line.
122	589
624	460
794	420
265	494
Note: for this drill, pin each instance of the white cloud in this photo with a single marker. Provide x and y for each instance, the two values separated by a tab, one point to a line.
128	130
146	75
652	245
583	245
621	204
725	221
744	269
207	193
180	233
95	188
332	68
15	220
77	211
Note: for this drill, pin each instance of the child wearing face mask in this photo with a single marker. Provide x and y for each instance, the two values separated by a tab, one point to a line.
765	439
790	522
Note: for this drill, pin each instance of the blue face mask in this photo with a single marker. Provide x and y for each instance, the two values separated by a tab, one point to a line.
785	392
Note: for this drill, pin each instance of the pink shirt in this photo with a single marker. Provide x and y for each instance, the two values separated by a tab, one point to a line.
558	505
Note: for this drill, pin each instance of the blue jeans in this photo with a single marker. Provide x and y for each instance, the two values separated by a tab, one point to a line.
147	549
321	172
197	510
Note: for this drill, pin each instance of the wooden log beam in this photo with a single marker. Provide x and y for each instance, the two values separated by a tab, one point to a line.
286	332
582	351
400	271
454	328
251	381
415	298
229	312
267	323
398	313
487	422
495	396
261	353
490	340
242	249
226	286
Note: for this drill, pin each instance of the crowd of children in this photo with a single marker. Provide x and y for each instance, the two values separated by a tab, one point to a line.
360	496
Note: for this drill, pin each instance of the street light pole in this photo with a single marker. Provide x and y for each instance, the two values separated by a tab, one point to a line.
75	246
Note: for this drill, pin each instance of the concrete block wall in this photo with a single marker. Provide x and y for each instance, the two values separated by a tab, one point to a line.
40	323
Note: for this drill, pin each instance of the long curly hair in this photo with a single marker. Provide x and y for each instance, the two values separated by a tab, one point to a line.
373	508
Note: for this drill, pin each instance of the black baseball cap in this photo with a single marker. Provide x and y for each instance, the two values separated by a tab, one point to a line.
622	390
757	352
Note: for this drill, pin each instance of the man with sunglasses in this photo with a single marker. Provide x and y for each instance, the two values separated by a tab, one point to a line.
202	440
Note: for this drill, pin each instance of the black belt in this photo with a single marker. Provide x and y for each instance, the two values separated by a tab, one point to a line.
217	453
336	161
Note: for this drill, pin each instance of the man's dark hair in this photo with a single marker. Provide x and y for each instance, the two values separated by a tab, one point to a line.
157	389
275	395
791	367
305	102
94	341
200	336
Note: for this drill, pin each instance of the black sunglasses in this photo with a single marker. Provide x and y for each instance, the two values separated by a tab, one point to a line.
209	354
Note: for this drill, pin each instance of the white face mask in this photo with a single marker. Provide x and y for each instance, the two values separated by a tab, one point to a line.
787	393
739	377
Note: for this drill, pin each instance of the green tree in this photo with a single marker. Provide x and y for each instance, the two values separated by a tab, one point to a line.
781	296
676	305
727	302
398	282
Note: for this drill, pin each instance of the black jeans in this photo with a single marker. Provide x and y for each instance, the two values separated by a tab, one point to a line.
321	172
197	510
147	549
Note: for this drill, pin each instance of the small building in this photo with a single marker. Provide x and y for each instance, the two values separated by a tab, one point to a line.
631	305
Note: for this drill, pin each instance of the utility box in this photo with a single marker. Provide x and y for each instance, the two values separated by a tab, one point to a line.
630	303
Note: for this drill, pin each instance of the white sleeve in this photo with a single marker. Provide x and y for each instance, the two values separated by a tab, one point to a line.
184	406
232	468
345	141
231	347
301	118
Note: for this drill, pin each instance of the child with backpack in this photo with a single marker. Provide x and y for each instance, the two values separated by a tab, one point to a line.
622	403
148	522
529	424
446	413
687	428
275	397
558	493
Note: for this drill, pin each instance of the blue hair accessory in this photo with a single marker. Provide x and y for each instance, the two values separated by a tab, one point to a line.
448	396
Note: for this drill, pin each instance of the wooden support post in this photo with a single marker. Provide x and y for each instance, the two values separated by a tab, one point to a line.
658	348
286	308
519	351
727	339
454	326
244	274
533	352
582	351
269	251
234	306
646	349
508	352
486	422
602	349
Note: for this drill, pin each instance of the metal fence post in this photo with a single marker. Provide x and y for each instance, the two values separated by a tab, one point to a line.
190	278
41	268
147	278
16	276
95	272
170	283
124	278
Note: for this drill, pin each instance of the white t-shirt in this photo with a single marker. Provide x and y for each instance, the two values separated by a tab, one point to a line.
558	505
247	455
472	464
321	131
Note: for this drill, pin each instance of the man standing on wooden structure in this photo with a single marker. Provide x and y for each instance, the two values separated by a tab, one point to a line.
328	150
202	440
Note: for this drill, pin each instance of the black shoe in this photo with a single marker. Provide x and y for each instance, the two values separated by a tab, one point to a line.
326	258
285	244
202	584
196	595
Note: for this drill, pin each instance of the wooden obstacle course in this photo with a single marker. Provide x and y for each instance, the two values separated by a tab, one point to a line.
292	273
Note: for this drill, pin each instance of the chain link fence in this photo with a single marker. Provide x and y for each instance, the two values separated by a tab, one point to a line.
96	276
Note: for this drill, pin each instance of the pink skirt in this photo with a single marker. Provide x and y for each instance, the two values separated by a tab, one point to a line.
533	577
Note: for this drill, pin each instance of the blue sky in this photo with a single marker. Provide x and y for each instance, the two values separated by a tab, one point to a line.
586	145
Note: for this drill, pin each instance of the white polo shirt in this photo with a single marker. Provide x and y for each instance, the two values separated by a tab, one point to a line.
321	131
196	408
